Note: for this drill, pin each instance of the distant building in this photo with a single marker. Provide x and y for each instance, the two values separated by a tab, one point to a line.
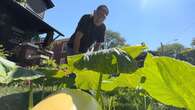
59	49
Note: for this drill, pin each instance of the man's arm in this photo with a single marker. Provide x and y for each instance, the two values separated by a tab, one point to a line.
76	44
81	29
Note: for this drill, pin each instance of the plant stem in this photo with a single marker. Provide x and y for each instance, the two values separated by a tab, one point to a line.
102	102
43	89
99	87
30	105
110	103
145	103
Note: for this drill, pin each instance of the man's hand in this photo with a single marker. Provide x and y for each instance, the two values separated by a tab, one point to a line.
77	40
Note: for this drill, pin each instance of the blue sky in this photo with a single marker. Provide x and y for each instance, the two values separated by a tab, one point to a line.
149	21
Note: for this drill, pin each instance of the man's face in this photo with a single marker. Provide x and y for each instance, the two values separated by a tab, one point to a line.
100	16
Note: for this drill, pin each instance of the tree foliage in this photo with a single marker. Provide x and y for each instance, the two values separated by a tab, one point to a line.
113	39
170	50
187	55
193	42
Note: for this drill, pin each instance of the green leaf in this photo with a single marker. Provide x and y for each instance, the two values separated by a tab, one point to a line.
3	53
107	61
53	72
72	59
87	79
134	51
110	84
9	72
168	80
25	74
13	98
112	62
150	107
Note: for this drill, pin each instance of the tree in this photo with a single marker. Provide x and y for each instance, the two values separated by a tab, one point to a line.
170	50
193	43
113	39
187	55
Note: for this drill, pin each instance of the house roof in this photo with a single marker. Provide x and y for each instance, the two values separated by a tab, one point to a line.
28	19
49	3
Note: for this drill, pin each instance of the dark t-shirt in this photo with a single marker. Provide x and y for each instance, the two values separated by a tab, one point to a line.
91	33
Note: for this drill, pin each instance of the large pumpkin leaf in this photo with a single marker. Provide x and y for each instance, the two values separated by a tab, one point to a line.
72	59
110	84
168	80
9	72
13	98
53	72
16	98
105	61
112	61
88	80
134	51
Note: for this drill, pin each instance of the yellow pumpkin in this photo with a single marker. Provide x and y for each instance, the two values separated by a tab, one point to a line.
69	99
59	101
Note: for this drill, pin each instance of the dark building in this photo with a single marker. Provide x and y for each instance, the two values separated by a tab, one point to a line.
59	48
22	20
38	7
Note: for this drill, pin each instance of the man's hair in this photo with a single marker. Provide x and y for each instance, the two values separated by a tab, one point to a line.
103	6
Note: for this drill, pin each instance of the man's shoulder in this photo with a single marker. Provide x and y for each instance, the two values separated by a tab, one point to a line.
86	16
